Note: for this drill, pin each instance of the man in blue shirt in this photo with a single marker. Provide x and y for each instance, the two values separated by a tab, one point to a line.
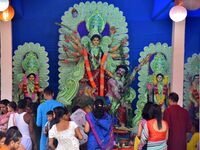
42	109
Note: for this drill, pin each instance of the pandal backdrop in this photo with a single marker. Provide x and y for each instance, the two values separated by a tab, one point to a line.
93	61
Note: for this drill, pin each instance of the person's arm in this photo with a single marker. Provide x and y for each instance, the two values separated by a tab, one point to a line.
51	138
87	127
32	133
144	136
51	145
139	129
39	117
167	135
78	133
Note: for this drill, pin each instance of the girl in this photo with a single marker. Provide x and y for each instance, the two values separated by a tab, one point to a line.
65	131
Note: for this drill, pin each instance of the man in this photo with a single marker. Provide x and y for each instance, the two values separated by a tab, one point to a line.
24	122
179	123
43	108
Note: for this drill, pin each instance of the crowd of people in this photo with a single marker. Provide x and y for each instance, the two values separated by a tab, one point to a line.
90	127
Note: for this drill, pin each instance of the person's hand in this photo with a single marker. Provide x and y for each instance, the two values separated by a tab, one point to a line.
35	146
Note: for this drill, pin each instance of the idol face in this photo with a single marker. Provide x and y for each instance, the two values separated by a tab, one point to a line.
121	72
96	41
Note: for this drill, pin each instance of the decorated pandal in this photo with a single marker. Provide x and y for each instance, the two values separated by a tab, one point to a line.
93	61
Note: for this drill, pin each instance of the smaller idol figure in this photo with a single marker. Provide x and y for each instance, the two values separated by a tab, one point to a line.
30	72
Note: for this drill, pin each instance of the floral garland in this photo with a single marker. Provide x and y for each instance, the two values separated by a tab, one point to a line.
160	97
36	87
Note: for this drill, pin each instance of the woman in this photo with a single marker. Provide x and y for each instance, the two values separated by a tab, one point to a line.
4	117
65	131
12	107
99	126
155	132
147	114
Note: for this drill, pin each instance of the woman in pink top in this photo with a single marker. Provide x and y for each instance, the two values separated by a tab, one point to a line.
4	117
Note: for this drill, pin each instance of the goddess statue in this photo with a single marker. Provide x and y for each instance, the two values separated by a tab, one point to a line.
158	90
28	73
154	78
191	86
90	59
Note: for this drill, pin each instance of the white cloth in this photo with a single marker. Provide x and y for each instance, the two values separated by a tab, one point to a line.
79	118
66	138
11	121
24	129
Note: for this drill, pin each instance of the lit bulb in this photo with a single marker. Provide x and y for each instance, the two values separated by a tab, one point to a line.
178	13
4	4
5	15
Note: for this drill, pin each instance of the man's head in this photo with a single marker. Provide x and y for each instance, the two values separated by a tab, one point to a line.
121	70
48	93
173	98
22	104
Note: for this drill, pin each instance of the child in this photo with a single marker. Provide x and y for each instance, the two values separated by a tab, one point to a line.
193	143
48	125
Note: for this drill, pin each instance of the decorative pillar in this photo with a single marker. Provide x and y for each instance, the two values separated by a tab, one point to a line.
6	59
178	42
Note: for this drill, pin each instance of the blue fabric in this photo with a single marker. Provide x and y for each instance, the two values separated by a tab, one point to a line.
103	128
42	118
37	24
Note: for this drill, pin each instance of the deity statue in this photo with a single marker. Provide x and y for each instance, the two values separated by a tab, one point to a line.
158	89
191	86
28	73
89	59
194	90
116	87
154	78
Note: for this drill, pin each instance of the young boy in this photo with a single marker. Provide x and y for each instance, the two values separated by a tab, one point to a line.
48	125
